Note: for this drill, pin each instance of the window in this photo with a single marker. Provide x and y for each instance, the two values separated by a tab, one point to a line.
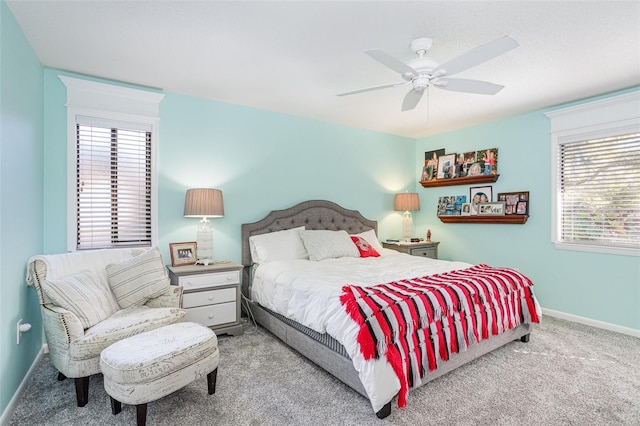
112	195
113	184
596	176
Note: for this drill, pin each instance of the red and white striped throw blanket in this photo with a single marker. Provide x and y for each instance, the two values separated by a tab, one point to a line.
417	323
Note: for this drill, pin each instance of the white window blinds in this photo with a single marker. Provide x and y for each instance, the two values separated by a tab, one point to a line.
599	185
113	183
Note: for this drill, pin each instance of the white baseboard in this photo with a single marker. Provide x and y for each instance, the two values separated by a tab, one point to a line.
8	412
594	323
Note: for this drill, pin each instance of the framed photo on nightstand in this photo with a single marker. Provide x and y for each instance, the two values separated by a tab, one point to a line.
183	254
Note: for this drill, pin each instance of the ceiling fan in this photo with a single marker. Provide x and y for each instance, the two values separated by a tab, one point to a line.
424	72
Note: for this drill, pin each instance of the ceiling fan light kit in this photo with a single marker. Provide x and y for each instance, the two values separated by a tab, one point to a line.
424	72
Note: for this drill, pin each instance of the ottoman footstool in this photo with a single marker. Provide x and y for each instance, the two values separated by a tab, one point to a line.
151	365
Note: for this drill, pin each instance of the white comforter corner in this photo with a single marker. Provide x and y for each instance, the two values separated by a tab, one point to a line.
309	292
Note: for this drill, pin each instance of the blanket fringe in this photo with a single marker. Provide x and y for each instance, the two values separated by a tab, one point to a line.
447	311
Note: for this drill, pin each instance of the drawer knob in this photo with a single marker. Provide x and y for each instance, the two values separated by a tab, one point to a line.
210	297
229	278
210	316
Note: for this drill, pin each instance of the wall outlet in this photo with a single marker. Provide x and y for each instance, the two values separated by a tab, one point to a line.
21	328
19	338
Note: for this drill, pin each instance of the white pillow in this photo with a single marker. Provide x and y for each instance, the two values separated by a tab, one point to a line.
371	238
279	245
328	244
84	295
138	279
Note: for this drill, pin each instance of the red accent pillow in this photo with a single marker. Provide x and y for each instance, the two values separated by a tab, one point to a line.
365	249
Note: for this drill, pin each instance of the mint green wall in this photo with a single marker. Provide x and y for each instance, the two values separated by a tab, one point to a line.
264	161
21	209
601	287
260	160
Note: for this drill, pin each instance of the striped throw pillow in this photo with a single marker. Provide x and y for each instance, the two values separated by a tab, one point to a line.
83	294
138	279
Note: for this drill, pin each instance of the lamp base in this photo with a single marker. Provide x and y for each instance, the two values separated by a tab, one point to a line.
407	226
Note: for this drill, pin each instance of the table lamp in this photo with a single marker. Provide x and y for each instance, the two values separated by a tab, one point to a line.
407	202
204	203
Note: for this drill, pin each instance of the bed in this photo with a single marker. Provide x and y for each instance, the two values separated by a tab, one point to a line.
317	299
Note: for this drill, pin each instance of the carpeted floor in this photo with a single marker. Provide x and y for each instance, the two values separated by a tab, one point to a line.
567	374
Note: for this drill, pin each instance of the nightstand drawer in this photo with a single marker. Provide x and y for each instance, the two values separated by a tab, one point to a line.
211	297
213	315
424	252
192	282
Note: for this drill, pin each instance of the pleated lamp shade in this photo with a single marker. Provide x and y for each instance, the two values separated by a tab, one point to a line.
203	202
409	201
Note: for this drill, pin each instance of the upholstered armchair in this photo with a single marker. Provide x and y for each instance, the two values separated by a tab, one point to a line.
92	299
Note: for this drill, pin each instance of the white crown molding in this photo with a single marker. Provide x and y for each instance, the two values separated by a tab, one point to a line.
85	94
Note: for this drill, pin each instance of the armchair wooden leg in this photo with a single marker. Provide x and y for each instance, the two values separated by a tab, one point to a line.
82	390
116	406
211	381
141	414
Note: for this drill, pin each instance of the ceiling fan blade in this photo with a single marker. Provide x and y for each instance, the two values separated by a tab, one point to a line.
468	86
476	56
391	62
368	89
411	100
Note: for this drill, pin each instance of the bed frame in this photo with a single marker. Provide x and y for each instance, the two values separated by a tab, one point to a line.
322	349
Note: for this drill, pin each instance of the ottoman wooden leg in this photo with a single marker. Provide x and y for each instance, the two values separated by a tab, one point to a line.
82	390
61	377
141	414
211	381
116	406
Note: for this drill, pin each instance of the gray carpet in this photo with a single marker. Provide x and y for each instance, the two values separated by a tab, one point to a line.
567	374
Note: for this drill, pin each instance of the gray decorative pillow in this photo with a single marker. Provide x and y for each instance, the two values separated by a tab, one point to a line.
328	244
138	279
83	294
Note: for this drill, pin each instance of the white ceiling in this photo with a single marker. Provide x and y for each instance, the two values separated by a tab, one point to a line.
294	57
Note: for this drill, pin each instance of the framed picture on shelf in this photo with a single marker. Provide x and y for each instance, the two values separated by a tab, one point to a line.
479	194
446	166
474	169
515	202
466	209
451	205
465	161
427	173
183	254
431	160
488	159
495	208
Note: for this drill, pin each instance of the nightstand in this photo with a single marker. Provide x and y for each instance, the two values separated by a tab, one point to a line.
415	249
211	295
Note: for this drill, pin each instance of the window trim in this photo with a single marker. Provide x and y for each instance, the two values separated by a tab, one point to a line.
109	102
616	115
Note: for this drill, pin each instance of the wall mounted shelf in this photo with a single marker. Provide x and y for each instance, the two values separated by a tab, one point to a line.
467	180
513	219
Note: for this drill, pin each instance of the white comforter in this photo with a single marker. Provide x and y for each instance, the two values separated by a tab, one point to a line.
309	292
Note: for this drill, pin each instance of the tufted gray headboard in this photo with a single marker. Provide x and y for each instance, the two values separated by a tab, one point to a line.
314	214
